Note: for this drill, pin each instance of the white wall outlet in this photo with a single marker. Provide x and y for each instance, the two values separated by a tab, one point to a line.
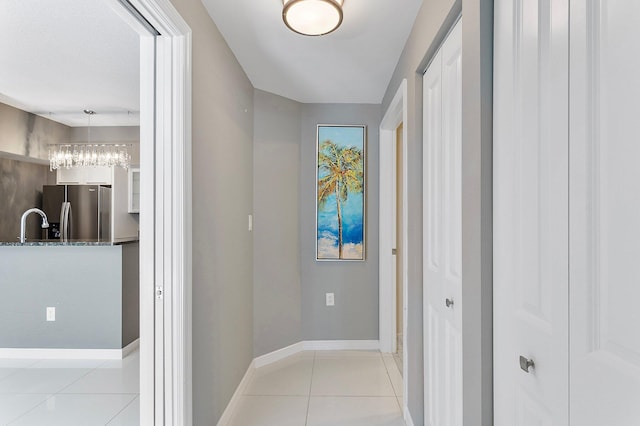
330	299
51	313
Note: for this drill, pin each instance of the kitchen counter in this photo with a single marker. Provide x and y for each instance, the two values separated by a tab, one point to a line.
32	243
93	285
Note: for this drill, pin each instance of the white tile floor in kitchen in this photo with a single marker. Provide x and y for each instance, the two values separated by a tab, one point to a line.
70	392
324	388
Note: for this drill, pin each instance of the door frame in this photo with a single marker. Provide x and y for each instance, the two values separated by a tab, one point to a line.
395	115
165	211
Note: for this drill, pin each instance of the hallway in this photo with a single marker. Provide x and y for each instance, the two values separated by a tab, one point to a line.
328	388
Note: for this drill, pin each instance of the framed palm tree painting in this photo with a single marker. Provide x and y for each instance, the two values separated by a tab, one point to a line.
340	192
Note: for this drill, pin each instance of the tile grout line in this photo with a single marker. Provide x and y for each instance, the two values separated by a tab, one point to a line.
49	394
391	381
75	381
32	409
19	369
313	366
123	408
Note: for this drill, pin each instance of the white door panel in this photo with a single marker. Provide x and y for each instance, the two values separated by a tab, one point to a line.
442	240
605	213
432	211
530	212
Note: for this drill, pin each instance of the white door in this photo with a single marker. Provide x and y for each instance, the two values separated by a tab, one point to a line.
605	213
442	241
530	213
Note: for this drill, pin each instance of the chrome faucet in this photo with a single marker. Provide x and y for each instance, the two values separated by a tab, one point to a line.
23	222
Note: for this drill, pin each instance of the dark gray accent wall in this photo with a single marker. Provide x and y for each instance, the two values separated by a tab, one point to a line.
130	292
277	321
355	284
222	134
433	21
21	189
24	139
27	135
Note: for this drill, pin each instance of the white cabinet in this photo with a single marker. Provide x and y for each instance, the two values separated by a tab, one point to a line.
98	175
134	190
73	176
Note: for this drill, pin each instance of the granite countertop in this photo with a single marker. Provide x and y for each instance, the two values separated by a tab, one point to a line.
32	243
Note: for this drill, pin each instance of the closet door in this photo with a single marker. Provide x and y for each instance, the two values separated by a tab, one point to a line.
605	213
442	89
531	213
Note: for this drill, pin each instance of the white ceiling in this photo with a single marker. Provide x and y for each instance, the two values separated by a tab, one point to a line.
62	56
352	65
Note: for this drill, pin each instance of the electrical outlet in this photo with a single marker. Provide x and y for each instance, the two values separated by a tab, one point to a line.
51	313
330	299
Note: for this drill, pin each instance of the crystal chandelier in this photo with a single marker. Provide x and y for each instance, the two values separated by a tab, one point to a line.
89	155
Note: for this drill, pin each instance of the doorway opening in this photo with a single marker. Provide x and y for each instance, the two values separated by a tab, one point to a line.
397	250
393	234
165	209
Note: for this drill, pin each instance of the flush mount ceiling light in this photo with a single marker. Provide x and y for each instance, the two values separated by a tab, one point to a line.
312	17
69	156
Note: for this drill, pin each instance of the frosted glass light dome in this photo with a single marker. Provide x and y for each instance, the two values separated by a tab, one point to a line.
312	17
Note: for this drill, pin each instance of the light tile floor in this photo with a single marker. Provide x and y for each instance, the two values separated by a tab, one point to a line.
324	388
70	392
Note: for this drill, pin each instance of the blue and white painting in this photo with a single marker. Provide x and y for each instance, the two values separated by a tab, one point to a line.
340	193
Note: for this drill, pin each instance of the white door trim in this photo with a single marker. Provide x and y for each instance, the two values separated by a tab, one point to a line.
165	213
393	117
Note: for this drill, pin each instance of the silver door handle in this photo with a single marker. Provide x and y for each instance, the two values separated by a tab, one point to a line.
526	364
448	302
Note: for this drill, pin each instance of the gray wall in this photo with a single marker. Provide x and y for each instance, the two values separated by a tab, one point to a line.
84	284
21	189
277	314
355	284
432	23
25	134
222	130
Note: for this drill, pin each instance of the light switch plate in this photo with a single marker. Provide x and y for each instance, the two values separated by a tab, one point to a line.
51	313
330	299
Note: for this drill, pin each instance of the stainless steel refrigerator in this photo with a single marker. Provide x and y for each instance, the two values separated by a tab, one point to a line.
77	212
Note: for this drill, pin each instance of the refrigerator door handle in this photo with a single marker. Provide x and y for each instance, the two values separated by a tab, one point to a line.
100	236
62	221
69	219
65	217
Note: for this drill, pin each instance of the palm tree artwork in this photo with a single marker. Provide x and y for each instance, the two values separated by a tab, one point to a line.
340	192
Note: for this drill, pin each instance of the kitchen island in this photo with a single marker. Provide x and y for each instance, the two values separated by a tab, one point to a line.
93	286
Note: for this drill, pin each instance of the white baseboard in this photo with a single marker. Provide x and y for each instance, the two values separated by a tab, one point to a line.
316	345
44	353
274	356
341	345
225	419
131	347
407	417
